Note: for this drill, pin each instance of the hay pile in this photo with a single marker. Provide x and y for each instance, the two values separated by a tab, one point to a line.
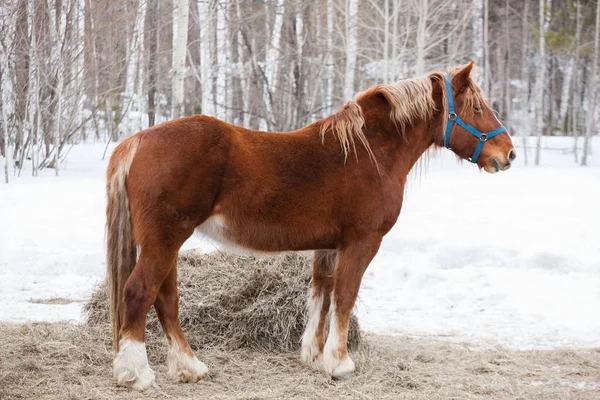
64	361
233	302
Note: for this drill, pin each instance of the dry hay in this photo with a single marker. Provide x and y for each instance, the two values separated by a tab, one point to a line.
234	301
63	361
235	308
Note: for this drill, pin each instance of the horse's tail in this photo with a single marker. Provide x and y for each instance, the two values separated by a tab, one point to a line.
121	252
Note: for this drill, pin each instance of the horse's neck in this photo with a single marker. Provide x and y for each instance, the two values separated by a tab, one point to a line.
398	151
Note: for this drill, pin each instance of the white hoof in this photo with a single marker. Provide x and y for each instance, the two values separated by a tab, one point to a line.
310	351
184	368
344	368
130	367
335	367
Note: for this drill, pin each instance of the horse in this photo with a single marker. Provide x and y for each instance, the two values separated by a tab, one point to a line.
334	187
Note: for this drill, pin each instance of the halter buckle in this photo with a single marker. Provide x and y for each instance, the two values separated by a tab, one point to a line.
452	116
483	137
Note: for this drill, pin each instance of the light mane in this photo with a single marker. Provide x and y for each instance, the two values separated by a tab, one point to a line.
410	100
346	125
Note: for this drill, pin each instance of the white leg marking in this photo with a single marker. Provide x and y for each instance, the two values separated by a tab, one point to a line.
182	367
130	367
310	348
331	363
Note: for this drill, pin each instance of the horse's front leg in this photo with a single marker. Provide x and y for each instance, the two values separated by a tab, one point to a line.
353	260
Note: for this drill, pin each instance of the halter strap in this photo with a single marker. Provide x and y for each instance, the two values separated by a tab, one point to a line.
454	118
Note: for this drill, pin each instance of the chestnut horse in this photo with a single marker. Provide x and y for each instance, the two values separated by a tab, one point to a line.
335	187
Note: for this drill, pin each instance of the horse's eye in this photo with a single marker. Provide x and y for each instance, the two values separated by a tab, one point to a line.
477	108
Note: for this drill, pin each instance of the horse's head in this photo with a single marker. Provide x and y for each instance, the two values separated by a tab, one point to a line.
472	130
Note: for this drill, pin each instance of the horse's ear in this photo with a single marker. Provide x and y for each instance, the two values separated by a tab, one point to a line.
462	77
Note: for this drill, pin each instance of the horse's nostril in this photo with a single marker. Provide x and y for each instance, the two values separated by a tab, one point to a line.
512	155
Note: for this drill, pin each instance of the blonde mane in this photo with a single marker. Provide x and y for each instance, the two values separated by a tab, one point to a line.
409	99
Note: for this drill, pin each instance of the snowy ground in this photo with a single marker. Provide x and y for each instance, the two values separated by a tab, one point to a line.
511	258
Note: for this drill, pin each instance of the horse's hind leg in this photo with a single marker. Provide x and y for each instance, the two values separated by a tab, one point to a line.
183	365
130	366
319	300
353	260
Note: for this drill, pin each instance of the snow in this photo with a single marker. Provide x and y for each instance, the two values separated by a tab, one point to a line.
510	259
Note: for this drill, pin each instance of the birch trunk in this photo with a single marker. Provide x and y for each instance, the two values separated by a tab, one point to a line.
150	48
591	112
507	64
486	53
58	25
477	23
386	40
180	34
244	80
3	67
133	63
223	58
272	64
421	34
206	11
351	48
330	66
524	89
539	102
575	109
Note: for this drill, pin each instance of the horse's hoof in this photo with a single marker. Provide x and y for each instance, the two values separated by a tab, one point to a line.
185	368
310	352
344	370
130	367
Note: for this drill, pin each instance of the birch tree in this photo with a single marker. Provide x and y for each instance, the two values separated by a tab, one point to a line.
4	154
539	98
351	47
180	34
591	112
271	64
207	9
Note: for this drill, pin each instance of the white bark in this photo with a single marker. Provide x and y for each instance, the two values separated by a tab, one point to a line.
477	23
34	99
223	58
539	83
272	63
59	36
386	40
421	34
566	91
591	112
330	66
523	98
351	47
486	46
180	33
206	12
576	79
395	12
244	80
3	90
134	71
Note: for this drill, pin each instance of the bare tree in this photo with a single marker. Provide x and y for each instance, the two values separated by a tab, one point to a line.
180	34
540	80
591	114
351	47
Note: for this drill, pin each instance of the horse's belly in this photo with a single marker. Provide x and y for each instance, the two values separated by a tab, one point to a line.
266	239
216	230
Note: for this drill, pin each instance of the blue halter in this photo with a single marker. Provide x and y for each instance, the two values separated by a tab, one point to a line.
454	118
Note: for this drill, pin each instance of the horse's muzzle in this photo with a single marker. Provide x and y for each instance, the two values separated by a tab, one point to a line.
498	166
